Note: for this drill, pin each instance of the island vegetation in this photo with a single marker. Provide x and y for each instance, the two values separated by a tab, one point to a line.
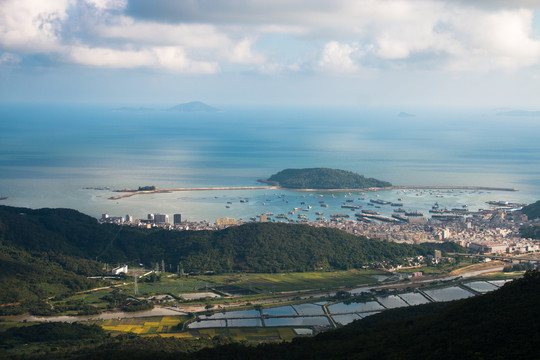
323	178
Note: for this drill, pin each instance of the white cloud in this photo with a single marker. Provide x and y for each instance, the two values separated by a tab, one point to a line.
496	40
336	57
202	36
108	4
32	26
172	58
106	57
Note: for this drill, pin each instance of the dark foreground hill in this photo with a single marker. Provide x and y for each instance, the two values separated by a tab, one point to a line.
324	178
499	325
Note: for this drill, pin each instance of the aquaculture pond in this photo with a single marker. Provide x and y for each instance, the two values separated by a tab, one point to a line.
481	286
207	324
391	302
298	321
342	308
309	309
414	298
232	315
280	311
448	294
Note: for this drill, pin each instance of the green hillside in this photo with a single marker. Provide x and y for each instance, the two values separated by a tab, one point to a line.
532	210
258	247
324	178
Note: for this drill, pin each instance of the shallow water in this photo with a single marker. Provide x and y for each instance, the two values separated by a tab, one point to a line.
391	302
414	298
309	309
448	294
342	308
481	286
297	321
50	154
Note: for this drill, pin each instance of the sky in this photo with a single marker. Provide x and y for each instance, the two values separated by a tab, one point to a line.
271	52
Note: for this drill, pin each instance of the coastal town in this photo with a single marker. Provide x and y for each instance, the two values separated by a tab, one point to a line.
490	231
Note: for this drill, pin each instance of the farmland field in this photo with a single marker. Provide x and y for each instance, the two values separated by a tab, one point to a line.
282	282
143	325
168	326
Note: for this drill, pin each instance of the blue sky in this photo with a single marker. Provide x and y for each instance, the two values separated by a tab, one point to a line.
279	52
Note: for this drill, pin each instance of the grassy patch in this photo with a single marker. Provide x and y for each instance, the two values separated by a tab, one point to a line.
284	282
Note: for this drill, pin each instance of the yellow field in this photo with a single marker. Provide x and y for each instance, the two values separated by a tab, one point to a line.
167	326
154	325
184	335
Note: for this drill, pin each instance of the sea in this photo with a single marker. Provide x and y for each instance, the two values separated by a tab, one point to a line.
74	156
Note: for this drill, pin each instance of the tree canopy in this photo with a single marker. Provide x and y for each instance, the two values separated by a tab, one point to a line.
324	178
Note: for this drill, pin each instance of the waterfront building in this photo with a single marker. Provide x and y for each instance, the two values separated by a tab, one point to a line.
161	218
177	218
129	218
226	221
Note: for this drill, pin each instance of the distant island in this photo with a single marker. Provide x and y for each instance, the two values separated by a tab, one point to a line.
194	106
519	113
323	178
189	107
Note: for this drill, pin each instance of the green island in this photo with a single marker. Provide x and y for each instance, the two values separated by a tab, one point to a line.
56	261
323	178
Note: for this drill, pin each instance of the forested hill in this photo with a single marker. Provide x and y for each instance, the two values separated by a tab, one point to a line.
259	247
324	178
532	210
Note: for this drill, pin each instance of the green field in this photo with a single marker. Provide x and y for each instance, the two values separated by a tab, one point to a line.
284	282
172	285
263	285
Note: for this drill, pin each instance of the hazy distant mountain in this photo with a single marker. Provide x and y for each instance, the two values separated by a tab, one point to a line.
519	113
194	106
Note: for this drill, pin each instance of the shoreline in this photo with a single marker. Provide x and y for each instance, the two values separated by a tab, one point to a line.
130	193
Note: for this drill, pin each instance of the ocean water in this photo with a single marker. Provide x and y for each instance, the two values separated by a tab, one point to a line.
51	154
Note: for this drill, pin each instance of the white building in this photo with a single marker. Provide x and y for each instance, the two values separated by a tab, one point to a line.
119	270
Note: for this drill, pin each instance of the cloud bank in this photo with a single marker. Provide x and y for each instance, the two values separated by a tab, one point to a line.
212	36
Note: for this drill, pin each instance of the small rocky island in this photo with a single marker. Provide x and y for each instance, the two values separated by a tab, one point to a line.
323	178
